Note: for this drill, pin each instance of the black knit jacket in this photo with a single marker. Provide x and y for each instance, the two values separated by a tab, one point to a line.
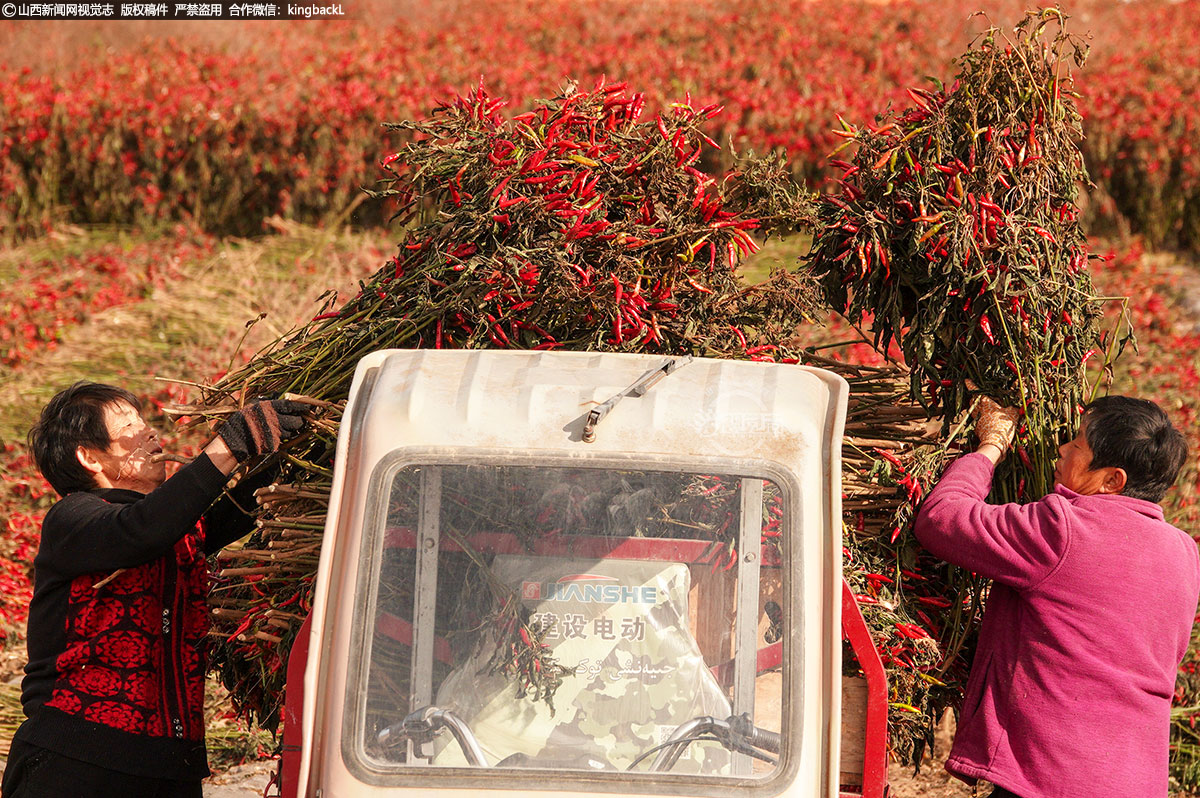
116	673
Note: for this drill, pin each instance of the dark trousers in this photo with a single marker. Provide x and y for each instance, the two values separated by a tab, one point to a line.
1000	792
34	772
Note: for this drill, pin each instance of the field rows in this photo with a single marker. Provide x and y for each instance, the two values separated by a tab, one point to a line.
289	122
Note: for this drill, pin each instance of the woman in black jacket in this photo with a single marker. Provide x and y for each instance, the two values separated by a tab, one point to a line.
114	688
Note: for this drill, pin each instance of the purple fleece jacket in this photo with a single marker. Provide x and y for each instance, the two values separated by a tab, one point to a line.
1088	617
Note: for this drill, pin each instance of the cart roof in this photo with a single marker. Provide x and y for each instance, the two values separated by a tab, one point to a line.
541	400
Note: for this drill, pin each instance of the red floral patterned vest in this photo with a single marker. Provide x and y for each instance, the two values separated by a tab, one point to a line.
136	647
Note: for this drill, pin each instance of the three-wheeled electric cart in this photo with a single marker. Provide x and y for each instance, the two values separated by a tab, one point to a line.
584	574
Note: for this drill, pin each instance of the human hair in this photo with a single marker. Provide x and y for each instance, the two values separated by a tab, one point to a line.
1135	435
74	418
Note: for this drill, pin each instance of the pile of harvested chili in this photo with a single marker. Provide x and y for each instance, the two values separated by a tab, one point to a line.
954	233
579	224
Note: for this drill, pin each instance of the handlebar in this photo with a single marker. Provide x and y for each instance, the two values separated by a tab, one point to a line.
769	741
737	733
422	725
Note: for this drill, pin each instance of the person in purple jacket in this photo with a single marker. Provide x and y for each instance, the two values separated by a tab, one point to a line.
1090	610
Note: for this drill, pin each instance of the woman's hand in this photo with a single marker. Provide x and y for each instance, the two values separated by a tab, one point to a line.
995	426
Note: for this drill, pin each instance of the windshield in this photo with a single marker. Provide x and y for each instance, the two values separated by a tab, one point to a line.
573	619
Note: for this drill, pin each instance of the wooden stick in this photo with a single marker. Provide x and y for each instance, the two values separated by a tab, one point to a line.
184	382
308	400
252	571
224	612
109	578
191	410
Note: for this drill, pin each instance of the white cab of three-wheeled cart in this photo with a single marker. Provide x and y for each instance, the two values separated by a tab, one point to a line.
579	574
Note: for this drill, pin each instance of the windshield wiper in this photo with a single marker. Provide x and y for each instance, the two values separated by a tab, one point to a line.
639	388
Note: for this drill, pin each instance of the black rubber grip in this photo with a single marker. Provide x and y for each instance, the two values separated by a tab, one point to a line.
766	740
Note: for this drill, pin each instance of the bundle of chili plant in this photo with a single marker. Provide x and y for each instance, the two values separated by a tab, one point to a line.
954	235
580	224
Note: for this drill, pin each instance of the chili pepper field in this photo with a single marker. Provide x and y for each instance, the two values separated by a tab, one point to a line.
168	209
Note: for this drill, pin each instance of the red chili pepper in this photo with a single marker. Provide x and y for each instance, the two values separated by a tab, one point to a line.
662	128
499	189
985	324
587	278
534	159
496	333
912	631
891	458
242	627
542	167
921	102
1024	457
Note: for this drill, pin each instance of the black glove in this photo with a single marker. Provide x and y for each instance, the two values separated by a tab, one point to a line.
260	428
